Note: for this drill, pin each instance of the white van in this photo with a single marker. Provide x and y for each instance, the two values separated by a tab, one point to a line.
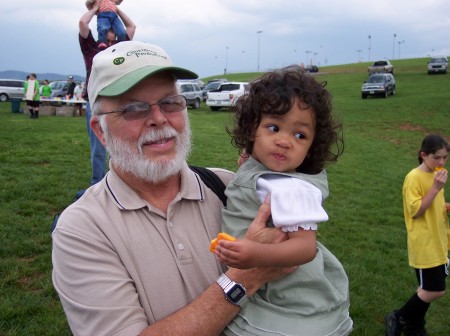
11	88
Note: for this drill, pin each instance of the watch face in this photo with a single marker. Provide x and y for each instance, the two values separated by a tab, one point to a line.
236	293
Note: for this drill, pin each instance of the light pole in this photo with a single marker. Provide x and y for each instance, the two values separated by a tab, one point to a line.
259	38
370	37
226	60
393	47
359	55
399	45
307	52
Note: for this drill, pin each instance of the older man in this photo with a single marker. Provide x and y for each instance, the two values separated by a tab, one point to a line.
131	255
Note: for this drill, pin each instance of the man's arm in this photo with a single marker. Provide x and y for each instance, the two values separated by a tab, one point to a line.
86	19
210	312
130	27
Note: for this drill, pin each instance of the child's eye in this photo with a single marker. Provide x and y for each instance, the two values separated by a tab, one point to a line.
299	135
273	128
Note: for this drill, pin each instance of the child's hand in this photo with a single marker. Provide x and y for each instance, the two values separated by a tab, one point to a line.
238	254
89	4
440	178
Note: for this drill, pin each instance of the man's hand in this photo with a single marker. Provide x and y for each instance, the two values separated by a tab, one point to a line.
258	230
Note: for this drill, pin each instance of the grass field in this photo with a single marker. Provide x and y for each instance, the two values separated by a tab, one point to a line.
44	162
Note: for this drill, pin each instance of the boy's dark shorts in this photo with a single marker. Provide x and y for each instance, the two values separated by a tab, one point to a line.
33	103
432	279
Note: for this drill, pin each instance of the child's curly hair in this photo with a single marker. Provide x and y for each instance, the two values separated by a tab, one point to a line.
274	93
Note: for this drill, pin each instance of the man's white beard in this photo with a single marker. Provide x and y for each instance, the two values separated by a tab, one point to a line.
130	158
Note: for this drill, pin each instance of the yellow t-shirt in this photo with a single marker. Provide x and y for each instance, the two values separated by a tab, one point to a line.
428	234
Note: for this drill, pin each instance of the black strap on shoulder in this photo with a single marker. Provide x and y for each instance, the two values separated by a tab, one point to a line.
212	181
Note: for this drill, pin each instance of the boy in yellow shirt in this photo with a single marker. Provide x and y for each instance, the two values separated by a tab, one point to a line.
427	227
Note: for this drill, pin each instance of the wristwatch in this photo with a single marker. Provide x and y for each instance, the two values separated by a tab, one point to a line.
234	292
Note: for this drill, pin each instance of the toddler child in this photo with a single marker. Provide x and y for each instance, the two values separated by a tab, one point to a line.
285	126
107	19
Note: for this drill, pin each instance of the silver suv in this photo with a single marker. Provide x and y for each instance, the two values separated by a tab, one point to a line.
438	65
11	88
59	89
192	92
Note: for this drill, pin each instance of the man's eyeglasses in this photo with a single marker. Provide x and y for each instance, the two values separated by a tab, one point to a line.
141	110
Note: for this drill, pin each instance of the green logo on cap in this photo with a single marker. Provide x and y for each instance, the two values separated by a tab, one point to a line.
119	60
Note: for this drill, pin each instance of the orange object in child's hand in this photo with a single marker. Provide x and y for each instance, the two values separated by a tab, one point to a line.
220	236
439	168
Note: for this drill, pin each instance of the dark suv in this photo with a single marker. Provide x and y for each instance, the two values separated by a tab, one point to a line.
380	84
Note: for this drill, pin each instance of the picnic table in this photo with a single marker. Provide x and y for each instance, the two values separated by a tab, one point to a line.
62	107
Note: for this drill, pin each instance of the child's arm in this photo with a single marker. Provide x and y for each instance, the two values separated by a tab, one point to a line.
299	249
439	182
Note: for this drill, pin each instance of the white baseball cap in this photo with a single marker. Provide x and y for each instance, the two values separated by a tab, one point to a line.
118	68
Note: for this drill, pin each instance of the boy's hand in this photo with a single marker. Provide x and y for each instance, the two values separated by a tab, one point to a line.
440	178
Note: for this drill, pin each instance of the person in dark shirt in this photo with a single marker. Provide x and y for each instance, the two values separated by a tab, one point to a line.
89	48
71	88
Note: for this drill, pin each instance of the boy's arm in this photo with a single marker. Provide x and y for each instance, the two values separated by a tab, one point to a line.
299	249
130	26
439	182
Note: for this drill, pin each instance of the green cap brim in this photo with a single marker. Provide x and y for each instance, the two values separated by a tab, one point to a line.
126	82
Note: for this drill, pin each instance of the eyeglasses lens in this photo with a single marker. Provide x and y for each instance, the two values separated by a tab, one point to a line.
141	110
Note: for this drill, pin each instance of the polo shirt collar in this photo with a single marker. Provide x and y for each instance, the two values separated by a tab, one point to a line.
126	198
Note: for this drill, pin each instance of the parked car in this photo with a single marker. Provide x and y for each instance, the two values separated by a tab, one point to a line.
312	68
381	66
382	84
59	89
226	95
192	92
217	80
211	86
11	88
438	65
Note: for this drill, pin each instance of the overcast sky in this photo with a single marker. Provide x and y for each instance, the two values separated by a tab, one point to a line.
208	35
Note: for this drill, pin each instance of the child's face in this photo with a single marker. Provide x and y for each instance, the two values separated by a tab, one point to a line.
437	159
282	141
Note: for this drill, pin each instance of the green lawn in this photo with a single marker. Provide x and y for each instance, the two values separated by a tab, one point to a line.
44	162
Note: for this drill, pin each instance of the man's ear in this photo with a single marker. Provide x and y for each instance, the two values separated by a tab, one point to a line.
97	129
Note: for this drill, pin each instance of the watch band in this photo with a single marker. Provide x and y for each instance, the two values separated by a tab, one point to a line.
234	292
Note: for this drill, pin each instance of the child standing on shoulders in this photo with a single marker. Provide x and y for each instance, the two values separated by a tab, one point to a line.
427	228
285	127
107	18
